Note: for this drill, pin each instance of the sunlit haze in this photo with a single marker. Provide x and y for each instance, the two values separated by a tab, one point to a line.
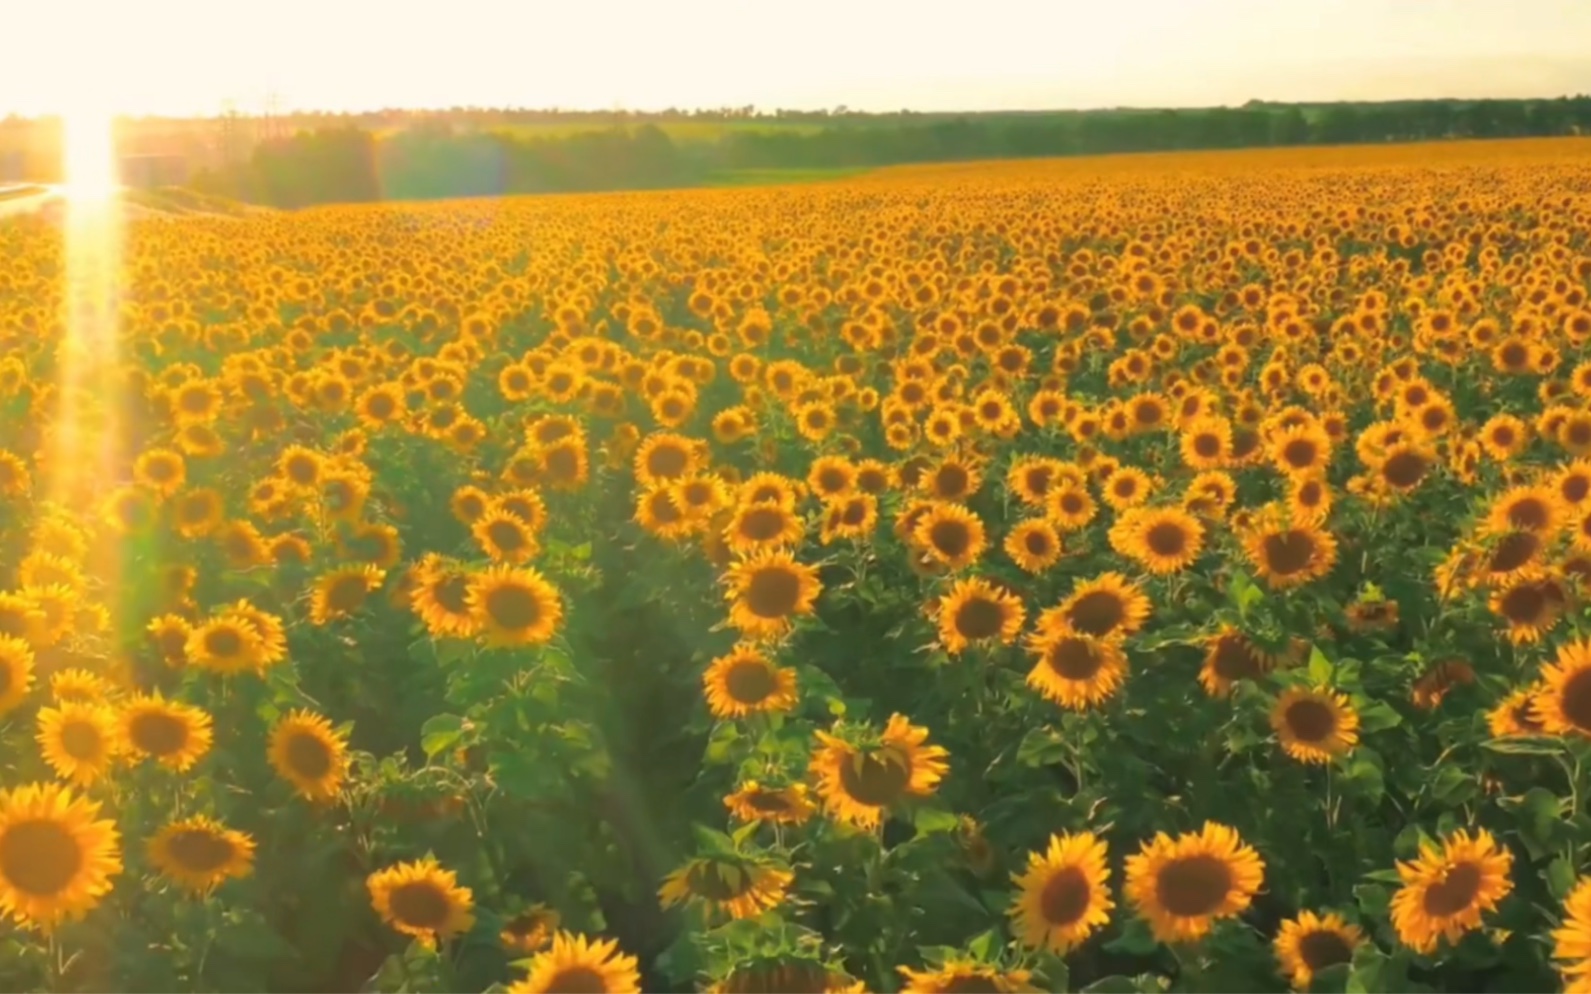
188	56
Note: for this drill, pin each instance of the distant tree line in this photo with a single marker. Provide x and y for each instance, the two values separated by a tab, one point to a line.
436	158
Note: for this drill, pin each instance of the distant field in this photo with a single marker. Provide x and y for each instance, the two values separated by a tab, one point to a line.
678	130
779	177
16	192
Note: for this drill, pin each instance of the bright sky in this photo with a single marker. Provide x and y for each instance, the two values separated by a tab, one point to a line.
188	56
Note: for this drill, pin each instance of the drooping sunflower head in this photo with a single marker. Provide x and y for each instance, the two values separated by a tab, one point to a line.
964	974
753	801
341	592
740	887
422	899
530	930
1107	606
862	774
1231	656
1074	670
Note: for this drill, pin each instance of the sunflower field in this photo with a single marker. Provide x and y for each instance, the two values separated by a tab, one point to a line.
1167	572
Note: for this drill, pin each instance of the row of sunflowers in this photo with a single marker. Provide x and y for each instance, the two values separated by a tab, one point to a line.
1141	574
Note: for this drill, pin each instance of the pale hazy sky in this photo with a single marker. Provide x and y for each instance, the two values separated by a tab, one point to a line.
187	56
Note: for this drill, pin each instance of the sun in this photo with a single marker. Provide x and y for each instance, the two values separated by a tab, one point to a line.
89	154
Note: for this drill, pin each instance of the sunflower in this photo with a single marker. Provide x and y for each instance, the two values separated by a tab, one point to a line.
439	598
1290	555
977	611
658	510
1445	891
1314	726
767	590
1031	478
1563	703
950	535
1572	940
752	801
1127	487
1062	896
16	672
744	682
1516	714
1070	507
965	975
576	963
1206	443
1162	540
765	525
1108	606
741	888
468	504
1075	671
1404	466
78	740
505	537
1310	943
342	592
309	754
770	488
174	734
56	856
1034	545
788	974
530	930
1182	886
1531	602
860	783
224	645
514	606
1302	450
1525	508
421	899
75	685
198	853
664	457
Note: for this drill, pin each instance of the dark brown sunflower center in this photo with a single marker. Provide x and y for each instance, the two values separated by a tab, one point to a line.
1071	503
951	538
1074	658
1065	897
1456	891
1289	552
1575	699
667	461
1192	886
40	858
1529	513
1097	613
1310	720
750	681
1207	446
1234	659
1323	948
1524	604
875	779
158	733
578	980
832	481
420	904
1300	453
346	593
199	850
981	982
1168	538
1404	469
450	593
1575	488
773	592
223	643
663	508
1037	542
1515	550
951	481
1038	480
81	740
513	608
762	524
302	470
717	881
507	535
979	618
308	756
